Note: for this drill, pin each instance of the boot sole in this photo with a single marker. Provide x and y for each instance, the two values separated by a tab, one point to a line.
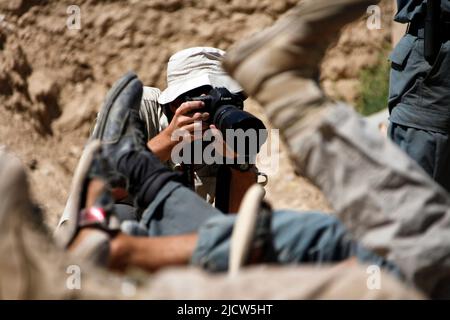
244	228
67	225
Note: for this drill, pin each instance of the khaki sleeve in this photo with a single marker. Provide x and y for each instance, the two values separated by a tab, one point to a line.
151	112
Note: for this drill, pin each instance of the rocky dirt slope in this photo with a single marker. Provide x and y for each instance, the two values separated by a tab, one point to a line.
52	79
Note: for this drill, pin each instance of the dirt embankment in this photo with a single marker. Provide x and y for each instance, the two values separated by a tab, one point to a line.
53	79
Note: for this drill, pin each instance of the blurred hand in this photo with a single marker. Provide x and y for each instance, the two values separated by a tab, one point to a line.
187	119
220	144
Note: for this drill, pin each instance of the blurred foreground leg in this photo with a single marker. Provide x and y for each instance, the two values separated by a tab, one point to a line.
376	190
32	267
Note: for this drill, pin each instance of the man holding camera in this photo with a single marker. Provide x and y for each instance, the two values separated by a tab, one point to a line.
178	227
419	96
192	73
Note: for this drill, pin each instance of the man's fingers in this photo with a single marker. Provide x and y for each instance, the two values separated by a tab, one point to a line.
193	126
189	106
205	116
185	120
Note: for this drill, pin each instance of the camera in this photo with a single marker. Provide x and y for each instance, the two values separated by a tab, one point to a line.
226	112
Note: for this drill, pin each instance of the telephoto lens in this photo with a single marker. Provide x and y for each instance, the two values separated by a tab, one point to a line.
227	114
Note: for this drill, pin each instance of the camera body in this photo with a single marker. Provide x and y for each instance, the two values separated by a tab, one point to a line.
226	113
216	102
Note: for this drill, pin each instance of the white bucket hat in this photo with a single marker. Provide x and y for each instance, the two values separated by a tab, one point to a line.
195	67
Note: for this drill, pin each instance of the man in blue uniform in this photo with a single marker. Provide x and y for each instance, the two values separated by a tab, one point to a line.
419	94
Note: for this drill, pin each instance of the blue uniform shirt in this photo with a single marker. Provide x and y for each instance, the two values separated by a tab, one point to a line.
409	9
419	93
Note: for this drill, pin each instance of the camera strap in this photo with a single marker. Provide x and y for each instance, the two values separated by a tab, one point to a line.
189	175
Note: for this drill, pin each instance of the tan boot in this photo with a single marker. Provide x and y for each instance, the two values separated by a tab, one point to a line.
279	67
24	271
31	265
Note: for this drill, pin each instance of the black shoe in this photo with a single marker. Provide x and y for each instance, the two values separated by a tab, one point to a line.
124	144
118	126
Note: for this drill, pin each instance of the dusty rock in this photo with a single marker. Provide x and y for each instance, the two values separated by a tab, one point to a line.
44	91
80	111
14	65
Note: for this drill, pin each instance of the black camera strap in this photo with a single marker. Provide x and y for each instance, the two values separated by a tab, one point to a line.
188	175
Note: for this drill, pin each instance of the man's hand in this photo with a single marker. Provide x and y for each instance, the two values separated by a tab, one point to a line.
185	120
185	117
